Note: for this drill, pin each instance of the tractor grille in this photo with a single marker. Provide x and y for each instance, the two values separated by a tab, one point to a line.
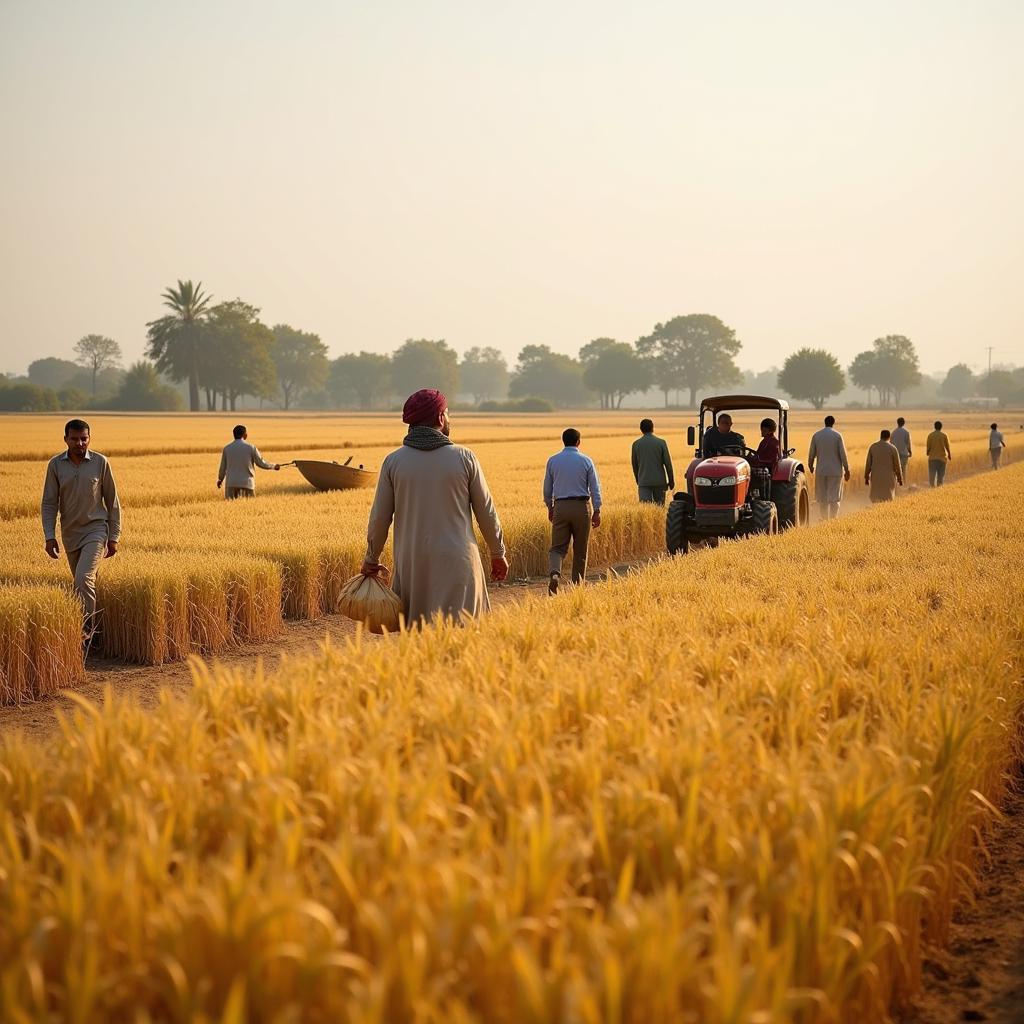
716	495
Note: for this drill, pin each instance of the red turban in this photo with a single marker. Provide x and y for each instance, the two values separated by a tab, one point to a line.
424	407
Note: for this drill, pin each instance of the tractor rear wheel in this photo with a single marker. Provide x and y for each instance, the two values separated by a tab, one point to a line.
766	517
675	526
792	501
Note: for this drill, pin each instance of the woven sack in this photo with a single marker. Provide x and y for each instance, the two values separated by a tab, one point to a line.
370	600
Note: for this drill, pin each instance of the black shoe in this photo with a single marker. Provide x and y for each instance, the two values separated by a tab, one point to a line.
553	584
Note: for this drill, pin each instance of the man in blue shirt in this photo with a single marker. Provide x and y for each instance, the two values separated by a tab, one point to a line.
570	486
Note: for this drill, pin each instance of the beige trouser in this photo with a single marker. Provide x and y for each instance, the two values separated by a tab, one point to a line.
238	492
571	521
85	563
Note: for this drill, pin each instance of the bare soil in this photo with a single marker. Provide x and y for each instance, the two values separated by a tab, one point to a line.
980	975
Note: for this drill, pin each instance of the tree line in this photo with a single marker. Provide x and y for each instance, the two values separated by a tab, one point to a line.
222	352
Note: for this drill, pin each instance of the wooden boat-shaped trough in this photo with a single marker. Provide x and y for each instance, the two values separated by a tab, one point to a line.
334	476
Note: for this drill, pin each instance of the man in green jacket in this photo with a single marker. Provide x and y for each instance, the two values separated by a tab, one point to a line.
652	465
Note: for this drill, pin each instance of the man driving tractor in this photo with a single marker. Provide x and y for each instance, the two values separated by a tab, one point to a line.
723	436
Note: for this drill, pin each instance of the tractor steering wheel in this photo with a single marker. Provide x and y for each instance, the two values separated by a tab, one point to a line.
739	449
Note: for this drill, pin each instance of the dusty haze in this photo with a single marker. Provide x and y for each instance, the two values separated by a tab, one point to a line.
517	173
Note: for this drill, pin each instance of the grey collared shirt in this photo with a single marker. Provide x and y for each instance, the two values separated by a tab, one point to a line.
901	442
237	462
85	497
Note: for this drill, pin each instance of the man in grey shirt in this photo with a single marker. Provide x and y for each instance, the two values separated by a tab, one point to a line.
652	465
236	466
829	452
80	488
570	485
900	440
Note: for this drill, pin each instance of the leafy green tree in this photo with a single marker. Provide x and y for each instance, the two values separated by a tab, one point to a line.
301	361
614	369
420	363
25	397
72	398
237	357
889	367
812	374
176	339
864	372
142	390
693	352
361	379
96	352
483	373
541	373
1005	385
959	382
51	372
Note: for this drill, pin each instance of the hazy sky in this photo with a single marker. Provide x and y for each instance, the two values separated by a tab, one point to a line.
814	173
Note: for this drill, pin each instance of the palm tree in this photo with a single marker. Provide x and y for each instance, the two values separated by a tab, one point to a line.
175	339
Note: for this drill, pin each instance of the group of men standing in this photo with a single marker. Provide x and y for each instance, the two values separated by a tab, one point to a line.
433	491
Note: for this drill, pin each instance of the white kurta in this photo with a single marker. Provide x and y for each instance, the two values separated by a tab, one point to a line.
433	497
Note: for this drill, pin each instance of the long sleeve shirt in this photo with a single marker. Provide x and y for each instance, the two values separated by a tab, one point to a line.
714	441
901	442
84	496
571	474
995	440
938	446
237	462
432	499
652	464
769	451
829	451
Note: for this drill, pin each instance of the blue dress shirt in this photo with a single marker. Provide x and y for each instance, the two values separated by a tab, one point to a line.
571	474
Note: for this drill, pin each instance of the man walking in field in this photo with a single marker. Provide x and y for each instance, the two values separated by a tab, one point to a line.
652	465
937	449
432	490
996	444
570	486
79	487
828	451
901	442
236	466
883	471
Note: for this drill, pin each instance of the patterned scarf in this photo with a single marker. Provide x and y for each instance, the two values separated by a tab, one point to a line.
425	439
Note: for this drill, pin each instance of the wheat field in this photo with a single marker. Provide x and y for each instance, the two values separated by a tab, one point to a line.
747	786
196	574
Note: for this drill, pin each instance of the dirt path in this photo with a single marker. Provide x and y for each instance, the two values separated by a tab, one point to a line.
980	976
145	682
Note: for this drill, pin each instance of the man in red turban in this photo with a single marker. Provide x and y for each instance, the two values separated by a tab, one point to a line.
432	490
424	408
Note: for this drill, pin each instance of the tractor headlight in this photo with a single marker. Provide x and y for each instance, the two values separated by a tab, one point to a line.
727	481
703	481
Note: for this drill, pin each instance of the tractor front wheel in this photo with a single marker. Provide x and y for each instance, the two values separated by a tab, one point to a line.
792	501
675	526
766	517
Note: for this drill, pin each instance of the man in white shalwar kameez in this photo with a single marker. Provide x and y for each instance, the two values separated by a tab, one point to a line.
829	452
432	490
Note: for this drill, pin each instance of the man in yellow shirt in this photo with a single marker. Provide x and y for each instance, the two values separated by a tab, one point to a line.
938	455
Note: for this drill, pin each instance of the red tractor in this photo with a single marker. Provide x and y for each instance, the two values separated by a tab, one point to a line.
726	494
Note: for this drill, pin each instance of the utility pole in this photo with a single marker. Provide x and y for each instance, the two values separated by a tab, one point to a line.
988	379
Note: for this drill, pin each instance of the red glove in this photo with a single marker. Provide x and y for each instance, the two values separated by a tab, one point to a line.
499	569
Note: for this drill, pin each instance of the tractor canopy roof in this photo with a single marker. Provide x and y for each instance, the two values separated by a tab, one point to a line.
723	403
